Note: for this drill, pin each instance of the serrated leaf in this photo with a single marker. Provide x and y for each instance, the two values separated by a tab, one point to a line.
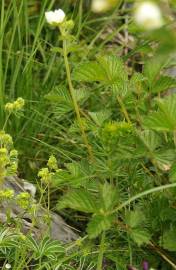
81	94
150	139
153	67
109	196
163	83
100	117
165	118
80	200
61	99
114	68
89	72
99	224
134	218
108	70
140	236
168	240
165	158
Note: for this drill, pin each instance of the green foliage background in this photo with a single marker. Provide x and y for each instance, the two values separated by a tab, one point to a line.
123	200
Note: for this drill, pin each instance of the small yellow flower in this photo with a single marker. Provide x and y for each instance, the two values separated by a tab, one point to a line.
7	194
15	106
52	163
23	200
45	175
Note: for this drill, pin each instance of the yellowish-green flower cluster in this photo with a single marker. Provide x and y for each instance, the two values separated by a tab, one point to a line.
6	194
48	172
52	163
23	200
15	106
8	156
45	175
5	139
113	130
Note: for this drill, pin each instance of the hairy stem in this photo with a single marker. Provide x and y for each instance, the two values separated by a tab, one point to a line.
120	101
75	104
101	252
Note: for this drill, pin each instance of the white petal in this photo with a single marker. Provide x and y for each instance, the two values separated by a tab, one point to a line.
55	17
59	16
49	16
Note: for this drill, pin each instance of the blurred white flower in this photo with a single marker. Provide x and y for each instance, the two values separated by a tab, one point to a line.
55	17
148	15
99	6
8	266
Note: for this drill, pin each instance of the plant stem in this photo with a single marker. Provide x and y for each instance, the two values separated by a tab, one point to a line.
174	135
120	101
101	252
142	194
75	104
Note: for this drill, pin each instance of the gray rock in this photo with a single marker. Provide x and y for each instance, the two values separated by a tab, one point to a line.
56	227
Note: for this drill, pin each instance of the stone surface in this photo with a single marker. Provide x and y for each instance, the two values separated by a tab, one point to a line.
58	228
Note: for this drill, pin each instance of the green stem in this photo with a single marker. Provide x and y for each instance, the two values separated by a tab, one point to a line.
75	104
142	194
80	18
101	252
174	135
120	101
6	121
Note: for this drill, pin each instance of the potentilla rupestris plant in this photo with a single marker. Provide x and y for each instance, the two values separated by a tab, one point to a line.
58	19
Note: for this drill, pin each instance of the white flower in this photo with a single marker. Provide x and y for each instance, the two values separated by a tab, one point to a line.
8	266
55	17
99	6
148	15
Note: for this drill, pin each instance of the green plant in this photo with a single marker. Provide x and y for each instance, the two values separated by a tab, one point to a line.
100	103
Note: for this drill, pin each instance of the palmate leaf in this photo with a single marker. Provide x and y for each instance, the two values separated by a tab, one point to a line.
98	224
153	67
134	218
114	68
61	99
168	239
8	239
165	158
80	200
89	72
46	248
163	83
77	175
109	197
149	139
108	70
100	117
136	222
140	236
165	118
